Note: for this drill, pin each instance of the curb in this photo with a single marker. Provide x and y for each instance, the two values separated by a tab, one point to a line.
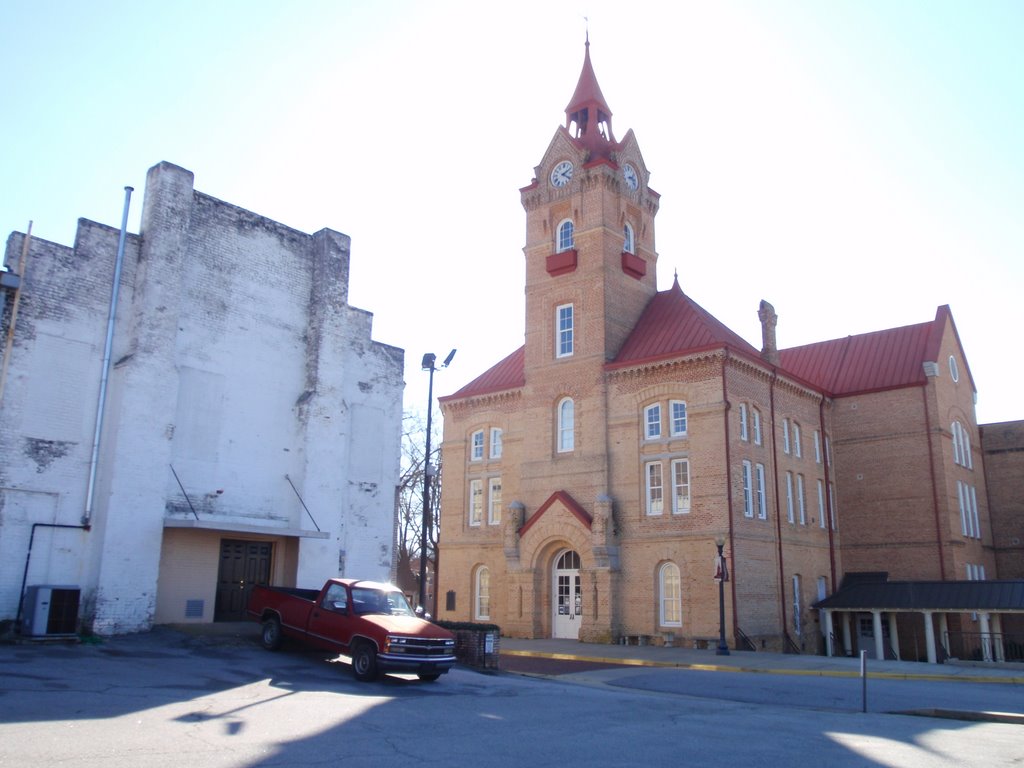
764	671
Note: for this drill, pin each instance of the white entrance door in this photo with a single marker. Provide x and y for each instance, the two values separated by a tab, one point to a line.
568	597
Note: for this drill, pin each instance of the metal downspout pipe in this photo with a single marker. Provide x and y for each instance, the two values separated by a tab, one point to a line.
90	492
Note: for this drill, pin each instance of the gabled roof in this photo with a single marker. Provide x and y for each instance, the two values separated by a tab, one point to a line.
568	502
673	324
870	362
507	374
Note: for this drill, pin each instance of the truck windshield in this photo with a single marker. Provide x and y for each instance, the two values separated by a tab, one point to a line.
380	601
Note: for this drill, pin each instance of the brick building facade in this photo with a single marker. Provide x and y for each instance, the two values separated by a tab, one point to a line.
589	474
251	429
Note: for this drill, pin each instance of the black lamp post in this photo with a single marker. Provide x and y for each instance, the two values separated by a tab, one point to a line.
428	365
721	576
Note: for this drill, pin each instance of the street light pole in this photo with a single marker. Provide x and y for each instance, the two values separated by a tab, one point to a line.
428	365
721	576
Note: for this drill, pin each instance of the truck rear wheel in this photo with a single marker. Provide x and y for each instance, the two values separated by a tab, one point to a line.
270	634
364	662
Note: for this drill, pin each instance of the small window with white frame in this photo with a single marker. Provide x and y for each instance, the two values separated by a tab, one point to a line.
785	436
954	370
677	414
801	501
789	498
762	493
566	425
821	503
628	242
680	486
670	590
655	488
755	417
566	241
564	331
652	422
476	450
817	447
798	451
743	421
496	439
476	501
482	602
494	501
748	489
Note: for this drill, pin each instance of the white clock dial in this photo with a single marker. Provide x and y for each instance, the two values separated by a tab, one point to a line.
629	174
561	174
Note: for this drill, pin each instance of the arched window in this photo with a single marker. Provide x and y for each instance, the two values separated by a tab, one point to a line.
954	371
955	429
628	243
670	596
566	425
565	236
482	590
797	622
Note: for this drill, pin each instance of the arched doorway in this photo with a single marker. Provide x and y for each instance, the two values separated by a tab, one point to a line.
567	602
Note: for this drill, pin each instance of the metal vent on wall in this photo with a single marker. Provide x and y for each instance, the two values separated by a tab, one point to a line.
194	609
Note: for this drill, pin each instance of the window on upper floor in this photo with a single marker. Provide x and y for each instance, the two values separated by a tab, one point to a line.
789	497
476	501
677	413
801	501
743	421
564	331
756	419
821	503
565	236
628	243
652	421
817	447
680	486
670	592
655	488
785	436
496	437
476	449
762	493
798	450
566	425
494	501
954	370
748	489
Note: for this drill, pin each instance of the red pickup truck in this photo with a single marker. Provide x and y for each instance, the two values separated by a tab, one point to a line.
367	620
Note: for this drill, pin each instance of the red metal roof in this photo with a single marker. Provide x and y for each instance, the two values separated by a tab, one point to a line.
869	362
673	324
508	374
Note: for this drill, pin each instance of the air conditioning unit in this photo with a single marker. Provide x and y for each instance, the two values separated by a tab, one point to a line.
50	611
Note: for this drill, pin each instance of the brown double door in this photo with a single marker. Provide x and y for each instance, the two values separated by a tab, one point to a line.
242	564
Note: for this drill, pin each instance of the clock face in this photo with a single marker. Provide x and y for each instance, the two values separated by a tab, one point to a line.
561	174
629	174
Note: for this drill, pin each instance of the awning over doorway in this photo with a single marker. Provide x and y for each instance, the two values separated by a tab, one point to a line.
234	527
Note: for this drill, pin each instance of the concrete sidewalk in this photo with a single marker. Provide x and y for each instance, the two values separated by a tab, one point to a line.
759	662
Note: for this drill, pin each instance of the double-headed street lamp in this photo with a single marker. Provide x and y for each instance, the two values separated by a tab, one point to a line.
721	576
428	365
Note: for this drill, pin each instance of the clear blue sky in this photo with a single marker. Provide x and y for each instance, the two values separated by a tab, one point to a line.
857	164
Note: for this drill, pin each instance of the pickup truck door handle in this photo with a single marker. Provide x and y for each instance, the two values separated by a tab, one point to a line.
316	614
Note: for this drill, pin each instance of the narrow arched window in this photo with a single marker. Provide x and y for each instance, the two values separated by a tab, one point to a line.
670	594
628	243
482	603
566	425
565	236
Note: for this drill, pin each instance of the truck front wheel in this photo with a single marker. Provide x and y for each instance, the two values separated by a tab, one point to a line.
364	662
270	634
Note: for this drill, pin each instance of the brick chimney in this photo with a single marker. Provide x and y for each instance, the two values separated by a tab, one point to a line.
769	350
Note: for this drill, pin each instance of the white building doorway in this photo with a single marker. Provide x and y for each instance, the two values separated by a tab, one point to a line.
567	604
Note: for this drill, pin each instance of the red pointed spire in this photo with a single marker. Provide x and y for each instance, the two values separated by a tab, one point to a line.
588	116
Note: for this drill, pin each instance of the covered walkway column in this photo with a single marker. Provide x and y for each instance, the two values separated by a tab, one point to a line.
929	637
986	637
894	636
997	636
847	637
829	650
944	632
876	626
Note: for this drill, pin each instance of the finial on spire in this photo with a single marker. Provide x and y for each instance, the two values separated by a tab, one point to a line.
586	21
